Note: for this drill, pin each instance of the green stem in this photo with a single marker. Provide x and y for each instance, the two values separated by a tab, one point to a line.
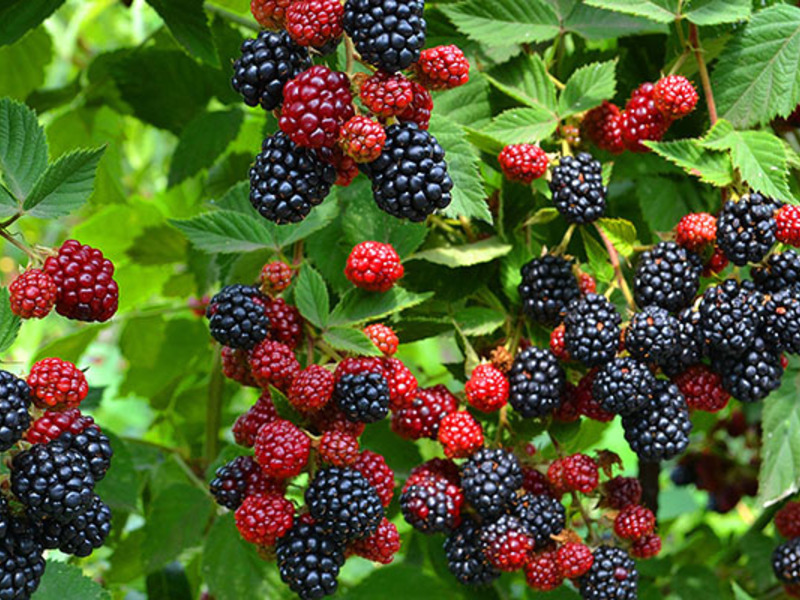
13	241
613	256
232	16
214	408
694	40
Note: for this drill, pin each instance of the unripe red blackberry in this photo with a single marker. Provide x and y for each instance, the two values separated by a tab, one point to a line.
536	483
787	225
574	559
487	388
620	492
702	388
603	125
542	572
275	277
236	366
362	139
374	468
53	423
419	111
282	449
696	231
577	472
269	13
589	404
421	417
641	120
57	383
386	94
273	363
505	543
32	294
435	468
646	546
315	23
787	520
746	228
523	162
239	478
330	417
442	68
675	96
381	546
634	521
285	322
246	427
311	389
557	345
373	266
384	338
85	281
316	104
262	520
401	381
338	448
460	434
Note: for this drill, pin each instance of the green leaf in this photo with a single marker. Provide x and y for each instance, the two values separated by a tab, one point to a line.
598	24
542	216
62	580
469	199
157	246
30	56
662	11
320	217
18	16
120	487
758	76
468	254
779	476
176	519
354	341
716	12
202	142
71	346
525	79
598	259
226	231
760	157
23	148
65	185
739	593
393	581
187	21
9	322
467	104
691	156
622	234
522	125
477	320
170	583
504	22
358	306
661	201
587	87
311	296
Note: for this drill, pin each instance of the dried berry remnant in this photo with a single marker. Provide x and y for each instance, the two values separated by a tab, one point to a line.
269	13
275	277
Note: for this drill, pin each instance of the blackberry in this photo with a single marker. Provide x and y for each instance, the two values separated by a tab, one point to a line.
668	276
591	330
432	504
623	386
547	287
613	576
490	480
746	229
409	178
239	478
465	557
267	62
652	335
782	315
388	34
506	543
781	271
82	535
578	190
541	515
344	504
52	481
236	316
536	383
751	376
15	399
688	349
286	181
21	560
786	561
309	561
730	316
659	430
362	397
93	445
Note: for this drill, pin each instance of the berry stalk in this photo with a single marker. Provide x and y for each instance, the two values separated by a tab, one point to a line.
613	256
694	41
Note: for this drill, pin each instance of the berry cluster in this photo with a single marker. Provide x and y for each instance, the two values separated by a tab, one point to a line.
786	557
55	455
324	139
647	116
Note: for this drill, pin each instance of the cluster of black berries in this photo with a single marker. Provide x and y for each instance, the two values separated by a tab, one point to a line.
55	455
786	557
322	140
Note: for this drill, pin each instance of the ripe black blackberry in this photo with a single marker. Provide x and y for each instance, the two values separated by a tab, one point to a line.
362	397
746	228
547	286
613	576
83	534
93	445
781	271
344	504
659	430
752	375
429	507
490	480
536	383
541	515
388	34
231	481
782	317
15	398
591	330
652	335
668	276
578	190
267	62
688	349
309	560
287	181
465	558
21	560
236	316
623	386
786	561
409	178
52	481
730	317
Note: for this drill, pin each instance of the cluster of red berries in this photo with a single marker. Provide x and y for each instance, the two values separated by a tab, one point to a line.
77	280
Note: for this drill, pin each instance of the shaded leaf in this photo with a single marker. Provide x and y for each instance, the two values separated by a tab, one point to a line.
311	296
357	305
525	79
30	56
23	148
466	255
202	141
477	320
187	21
350	340
19	16
9	322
